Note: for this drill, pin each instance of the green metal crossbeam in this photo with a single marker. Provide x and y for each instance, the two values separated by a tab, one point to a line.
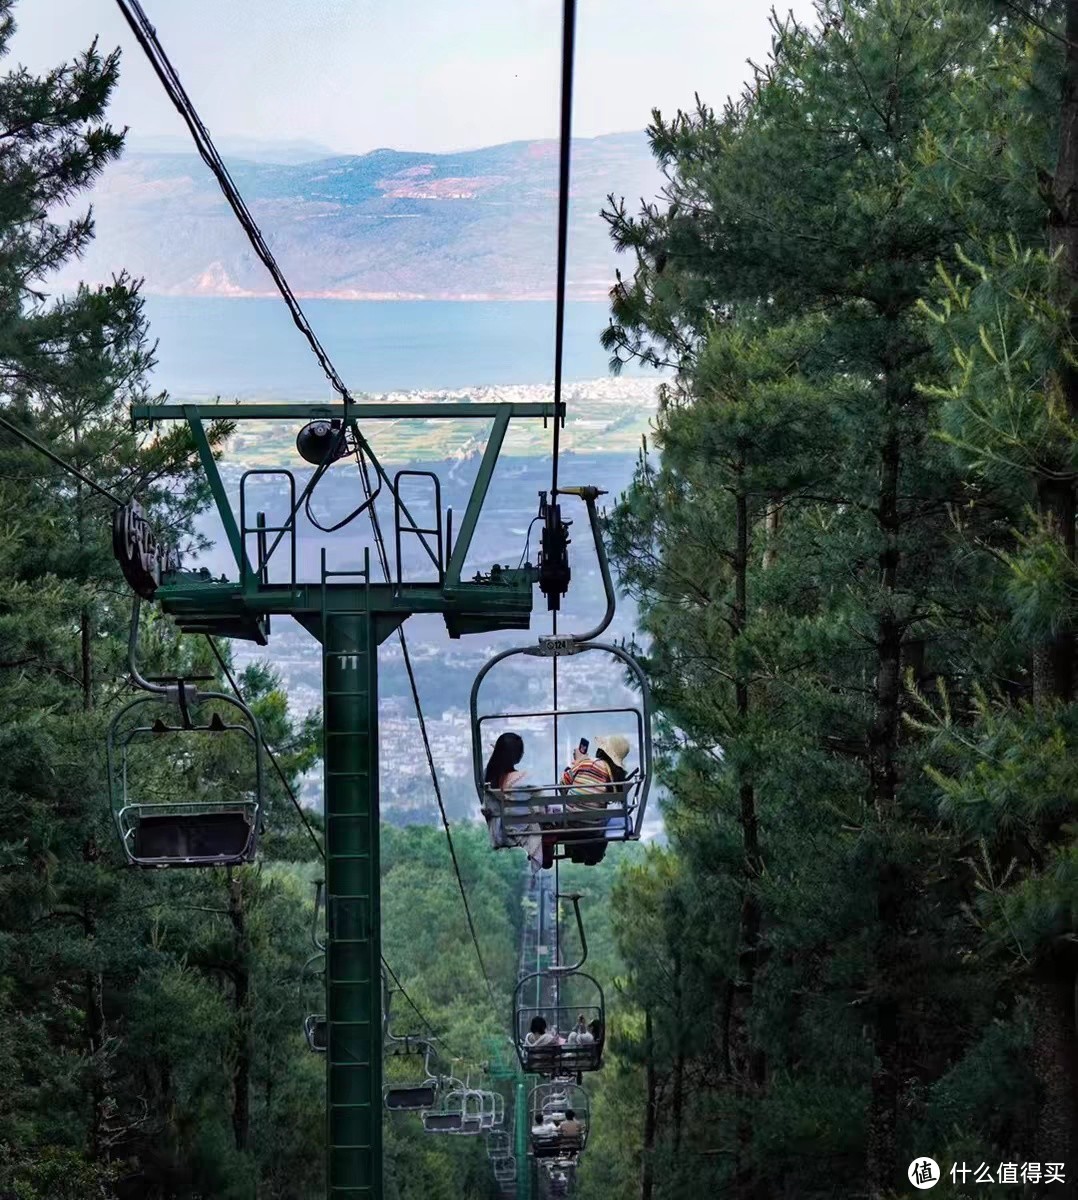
201	605
377	411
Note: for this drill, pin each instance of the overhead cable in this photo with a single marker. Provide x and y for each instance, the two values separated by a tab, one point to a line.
564	157
55	458
146	36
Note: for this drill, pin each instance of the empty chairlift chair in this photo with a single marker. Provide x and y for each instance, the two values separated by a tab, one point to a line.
315	1029
419	1095
186	778
498	1144
505	1170
460	1112
409	1090
492	1115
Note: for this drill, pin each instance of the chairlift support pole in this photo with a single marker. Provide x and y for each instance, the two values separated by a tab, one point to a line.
350	615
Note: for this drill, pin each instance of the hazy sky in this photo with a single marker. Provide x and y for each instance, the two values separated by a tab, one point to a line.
410	74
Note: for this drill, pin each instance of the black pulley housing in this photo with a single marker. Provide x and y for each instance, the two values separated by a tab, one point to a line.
322	441
554	570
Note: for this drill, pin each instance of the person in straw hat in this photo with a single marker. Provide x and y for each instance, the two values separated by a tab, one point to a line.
591	782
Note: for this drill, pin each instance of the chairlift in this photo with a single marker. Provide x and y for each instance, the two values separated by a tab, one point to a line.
505	1169
559	1016
315	1031
556	1177
410	1095
498	1144
315	1028
493	1114
554	1101
182	811
460	1112
581	819
416	1096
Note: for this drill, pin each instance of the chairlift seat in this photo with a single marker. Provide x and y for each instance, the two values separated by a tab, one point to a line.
435	1122
411	1098
555	1147
193	838
557	1059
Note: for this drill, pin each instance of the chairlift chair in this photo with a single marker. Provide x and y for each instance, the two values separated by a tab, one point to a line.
581	820
570	815
493	1114
165	822
505	1169
554	1100
559	996
186	813
460	1112
498	1144
419	1096
314	1030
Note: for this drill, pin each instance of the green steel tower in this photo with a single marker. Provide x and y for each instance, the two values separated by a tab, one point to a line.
350	614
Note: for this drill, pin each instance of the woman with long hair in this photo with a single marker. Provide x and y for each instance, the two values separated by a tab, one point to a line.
501	772
503	779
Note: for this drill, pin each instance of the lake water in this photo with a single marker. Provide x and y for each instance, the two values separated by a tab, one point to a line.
247	347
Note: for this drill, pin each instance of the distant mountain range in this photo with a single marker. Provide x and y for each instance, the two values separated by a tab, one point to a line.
477	224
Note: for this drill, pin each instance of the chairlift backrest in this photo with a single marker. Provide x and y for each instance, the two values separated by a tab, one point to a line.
410	1097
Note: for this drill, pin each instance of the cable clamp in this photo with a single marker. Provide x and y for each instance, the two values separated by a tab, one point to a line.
555	645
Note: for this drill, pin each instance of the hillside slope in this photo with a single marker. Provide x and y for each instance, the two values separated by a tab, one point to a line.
388	224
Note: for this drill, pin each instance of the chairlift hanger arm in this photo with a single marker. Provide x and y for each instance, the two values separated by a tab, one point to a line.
560	970
181	691
589	495
319	945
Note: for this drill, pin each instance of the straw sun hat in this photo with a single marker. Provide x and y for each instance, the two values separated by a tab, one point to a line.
615	747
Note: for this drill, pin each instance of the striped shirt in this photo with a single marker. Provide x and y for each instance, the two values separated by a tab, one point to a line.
588	776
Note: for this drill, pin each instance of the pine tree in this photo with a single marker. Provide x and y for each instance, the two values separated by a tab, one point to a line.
69	367
812	196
